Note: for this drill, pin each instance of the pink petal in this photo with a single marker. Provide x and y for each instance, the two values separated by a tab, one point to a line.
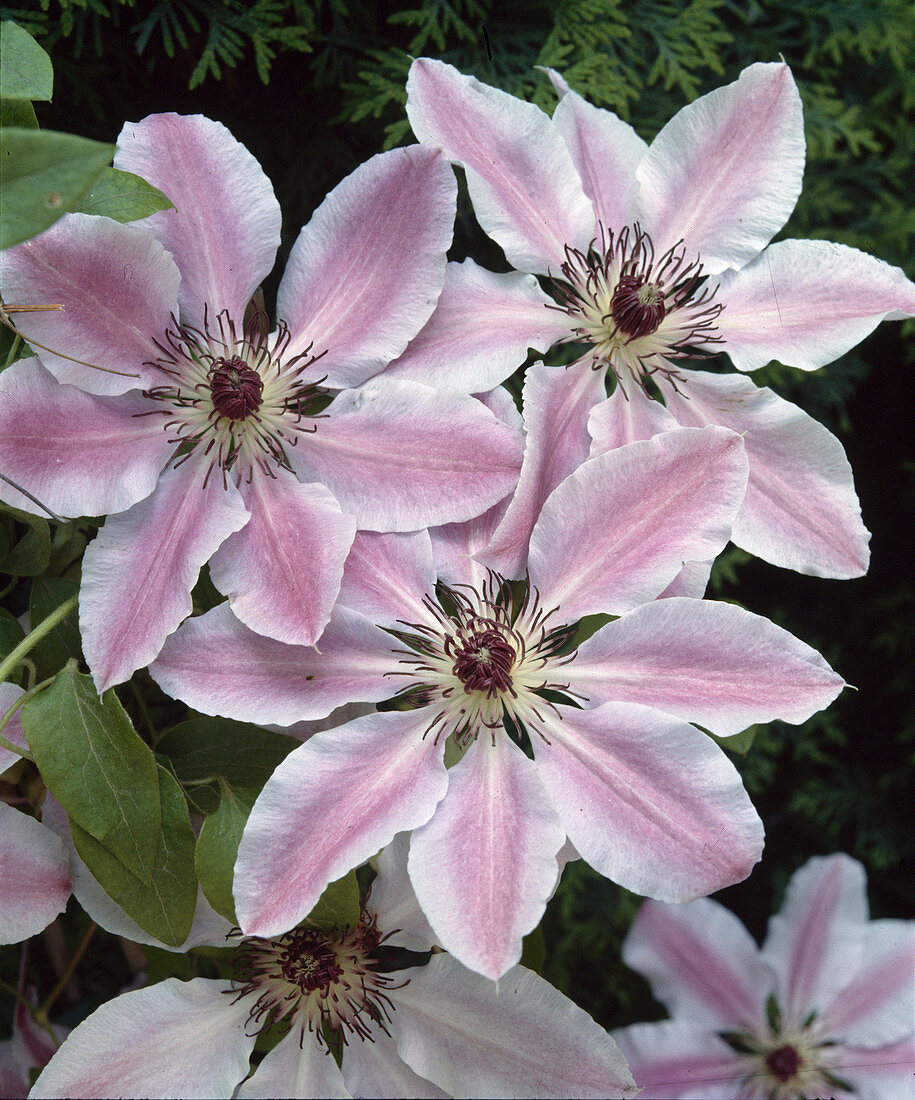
455	546
225	228
674	1059
175	1039
702	963
401	456
801	510
481	330
814	944
393	899
606	152
878	1074
725	172
706	662
525	191
79	454
807	302
648	801
619	529
118	287
34	876
484	867
138	573
377	1070
516	1037
387	577
12	731
373	778
556	407
218	666
282	570
876	1006
365	273
296	1066
691	581
626	418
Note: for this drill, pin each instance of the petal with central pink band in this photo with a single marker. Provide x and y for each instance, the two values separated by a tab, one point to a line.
329	806
606	152
481	330
807	302
139	571
35	876
517	1037
175	1039
484	867
295	1067
626	418
225	228
203	661
815	943
723	186
705	662
387	576
557	404
801	510
400	456
673	1060
876	1006
525	191
648	801
282	570
875	1074
619	529
79	454
455	546
365	273
702	964
118	287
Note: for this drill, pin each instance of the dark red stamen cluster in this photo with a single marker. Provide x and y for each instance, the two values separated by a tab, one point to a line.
309	962
783	1062
236	388
483	661
637	306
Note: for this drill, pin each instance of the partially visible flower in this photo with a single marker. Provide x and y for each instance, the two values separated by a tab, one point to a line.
594	744
30	1047
425	1031
214	440
825	1008
652	254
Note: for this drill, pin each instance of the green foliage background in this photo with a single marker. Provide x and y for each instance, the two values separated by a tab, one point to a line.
315	88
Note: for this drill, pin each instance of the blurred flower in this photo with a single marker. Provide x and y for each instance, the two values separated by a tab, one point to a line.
214	440
652	254
825	1008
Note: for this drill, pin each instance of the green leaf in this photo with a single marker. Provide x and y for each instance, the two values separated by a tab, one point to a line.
533	950
11	634
18	112
217	848
63	642
203	749
338	906
164	904
43	174
26	71
739	742
123	196
96	767
29	555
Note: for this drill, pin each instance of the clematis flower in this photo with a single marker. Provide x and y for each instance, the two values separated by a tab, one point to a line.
593	744
825	1008
425	1031
650	254
210	442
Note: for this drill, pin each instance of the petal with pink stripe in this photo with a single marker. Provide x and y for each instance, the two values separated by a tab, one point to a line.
35	875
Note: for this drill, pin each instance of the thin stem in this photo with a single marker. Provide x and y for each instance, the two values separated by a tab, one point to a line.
41	1015
14	350
32	639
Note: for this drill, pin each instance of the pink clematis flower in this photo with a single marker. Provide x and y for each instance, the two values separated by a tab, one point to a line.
211	442
592	744
824	1009
426	1031
650	254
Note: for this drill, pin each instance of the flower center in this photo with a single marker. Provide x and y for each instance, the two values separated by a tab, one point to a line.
783	1062
636	310
238	396
322	981
481	655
